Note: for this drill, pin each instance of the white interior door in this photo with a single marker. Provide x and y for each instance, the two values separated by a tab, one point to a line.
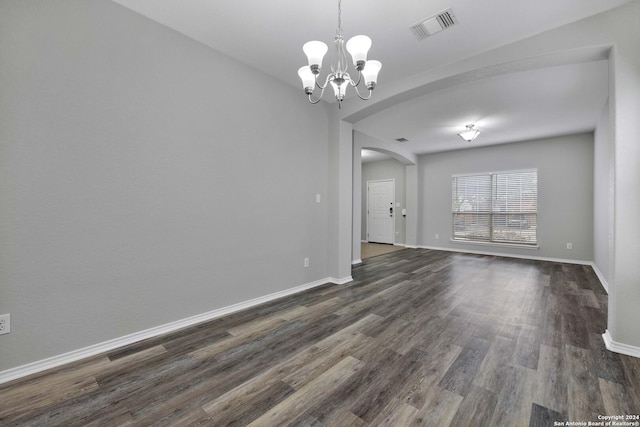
381	211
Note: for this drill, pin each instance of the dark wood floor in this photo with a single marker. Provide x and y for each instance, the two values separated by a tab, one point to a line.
420	337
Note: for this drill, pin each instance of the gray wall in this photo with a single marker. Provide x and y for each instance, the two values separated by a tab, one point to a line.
386	169
565	169
340	196
140	185
602	196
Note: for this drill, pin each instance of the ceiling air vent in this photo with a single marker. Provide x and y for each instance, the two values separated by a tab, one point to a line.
402	139
435	24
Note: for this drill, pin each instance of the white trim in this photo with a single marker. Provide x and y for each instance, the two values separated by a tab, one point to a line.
621	348
356	262
603	281
495	172
93	350
341	281
535	258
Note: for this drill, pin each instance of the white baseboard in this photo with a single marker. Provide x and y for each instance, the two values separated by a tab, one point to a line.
356	262
603	281
621	348
340	281
507	255
93	350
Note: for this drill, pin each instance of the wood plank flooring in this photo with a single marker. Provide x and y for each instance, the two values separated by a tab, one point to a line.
420	337
368	250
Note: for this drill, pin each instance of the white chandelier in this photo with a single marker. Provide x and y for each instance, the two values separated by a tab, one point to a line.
339	78
470	133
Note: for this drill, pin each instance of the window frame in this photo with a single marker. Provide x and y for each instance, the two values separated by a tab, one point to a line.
491	213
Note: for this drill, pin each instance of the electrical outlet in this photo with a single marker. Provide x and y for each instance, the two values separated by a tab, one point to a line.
5	323
569	245
306	262
437	236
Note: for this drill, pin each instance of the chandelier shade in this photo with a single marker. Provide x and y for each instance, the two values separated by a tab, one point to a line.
339	78
370	73
307	77
358	47
315	51
339	88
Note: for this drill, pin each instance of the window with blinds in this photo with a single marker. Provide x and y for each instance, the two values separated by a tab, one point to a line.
497	207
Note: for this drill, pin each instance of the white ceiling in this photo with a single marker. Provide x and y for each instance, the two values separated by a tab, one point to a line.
526	104
513	107
369	156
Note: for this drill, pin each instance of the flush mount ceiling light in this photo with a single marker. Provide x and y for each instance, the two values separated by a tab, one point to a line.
339	78
469	134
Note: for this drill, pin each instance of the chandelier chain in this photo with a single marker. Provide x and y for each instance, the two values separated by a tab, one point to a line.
339	31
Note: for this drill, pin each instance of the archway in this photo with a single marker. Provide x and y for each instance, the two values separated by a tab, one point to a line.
360	142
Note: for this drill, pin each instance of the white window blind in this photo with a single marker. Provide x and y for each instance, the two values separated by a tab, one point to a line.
496	207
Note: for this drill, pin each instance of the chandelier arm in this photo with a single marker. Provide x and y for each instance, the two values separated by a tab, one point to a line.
316	101
351	82
322	88
330	77
362	97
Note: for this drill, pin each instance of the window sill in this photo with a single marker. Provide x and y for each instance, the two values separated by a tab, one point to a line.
503	245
